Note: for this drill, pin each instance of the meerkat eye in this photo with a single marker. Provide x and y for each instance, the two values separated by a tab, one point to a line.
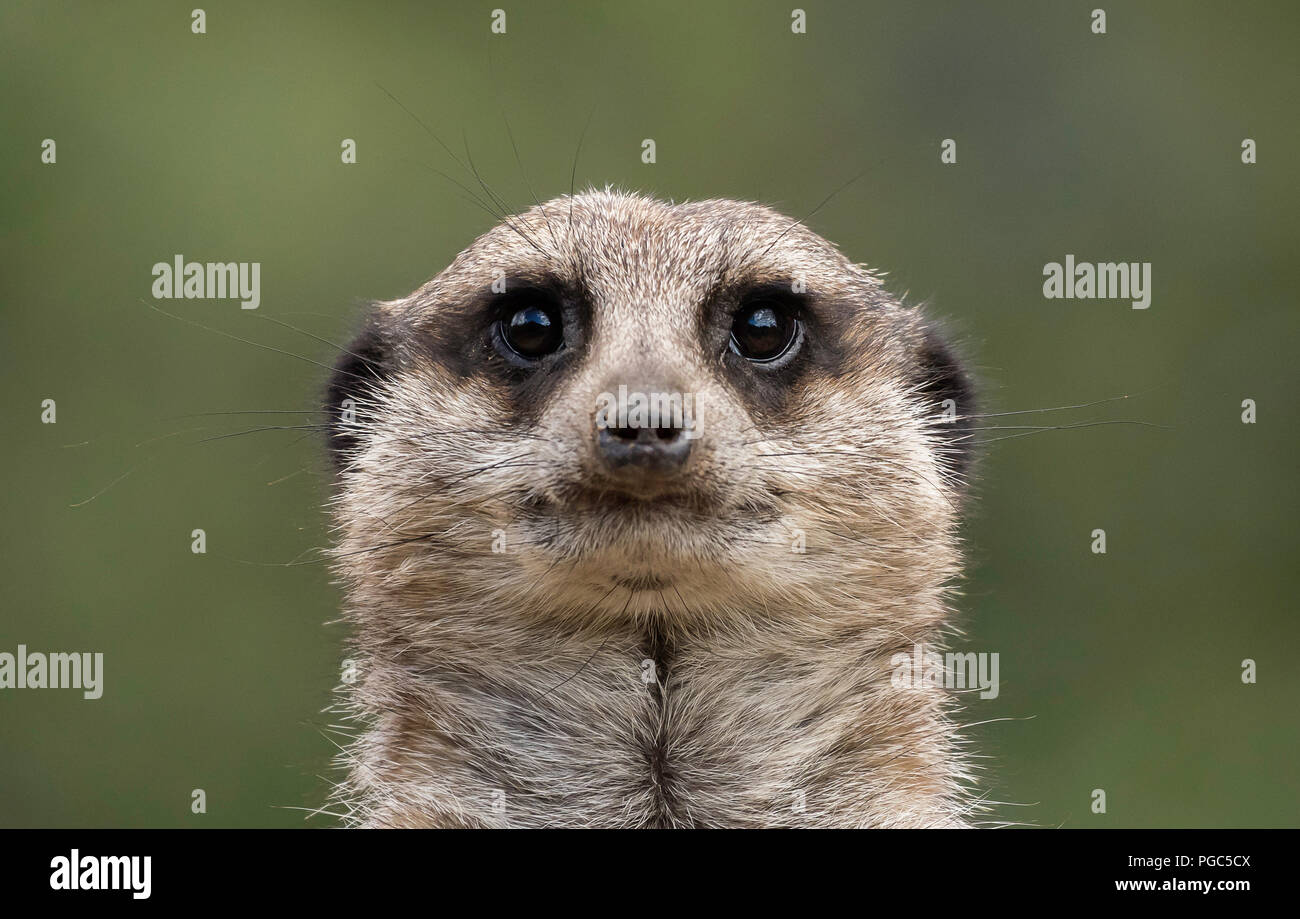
533	331
763	331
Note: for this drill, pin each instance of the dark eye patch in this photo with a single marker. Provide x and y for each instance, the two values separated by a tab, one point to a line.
760	310
522	340
770	338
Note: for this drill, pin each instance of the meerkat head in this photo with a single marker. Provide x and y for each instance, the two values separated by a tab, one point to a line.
613	406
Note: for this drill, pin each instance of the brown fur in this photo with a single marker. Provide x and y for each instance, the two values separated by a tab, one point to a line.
510	688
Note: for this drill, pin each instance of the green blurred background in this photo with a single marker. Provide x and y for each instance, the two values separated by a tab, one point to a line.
1119	672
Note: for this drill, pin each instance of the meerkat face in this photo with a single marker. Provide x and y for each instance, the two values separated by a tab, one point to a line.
610	404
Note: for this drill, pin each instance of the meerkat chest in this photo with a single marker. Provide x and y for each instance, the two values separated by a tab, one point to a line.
622	729
648	732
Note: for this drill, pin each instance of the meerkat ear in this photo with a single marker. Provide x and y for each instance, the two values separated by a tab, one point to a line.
946	387
357	371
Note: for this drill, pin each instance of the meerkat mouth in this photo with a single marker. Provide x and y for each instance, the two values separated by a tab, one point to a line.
613	520
644	583
593	500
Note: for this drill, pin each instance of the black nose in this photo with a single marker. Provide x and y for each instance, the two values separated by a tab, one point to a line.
659	451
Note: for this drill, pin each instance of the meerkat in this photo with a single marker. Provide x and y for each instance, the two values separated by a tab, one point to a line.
566	622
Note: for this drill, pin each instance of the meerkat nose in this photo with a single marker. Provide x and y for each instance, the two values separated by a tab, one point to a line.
660	450
643	435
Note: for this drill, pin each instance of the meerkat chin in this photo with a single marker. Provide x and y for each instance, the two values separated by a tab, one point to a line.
636	502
